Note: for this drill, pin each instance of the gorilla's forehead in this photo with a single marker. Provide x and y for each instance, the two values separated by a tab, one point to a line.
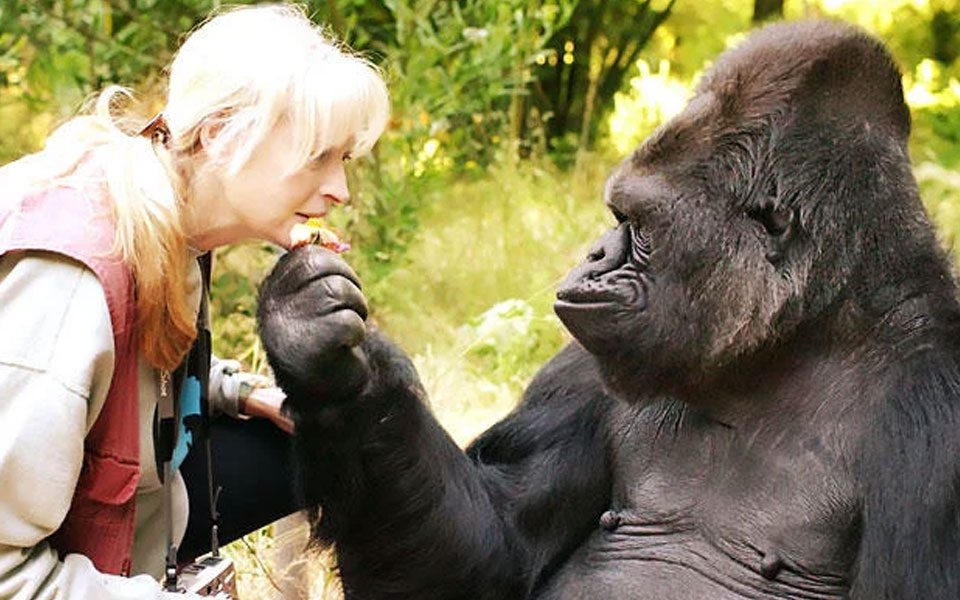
684	138
833	69
778	56
829	70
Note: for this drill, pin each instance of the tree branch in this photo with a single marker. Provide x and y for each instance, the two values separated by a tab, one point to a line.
97	37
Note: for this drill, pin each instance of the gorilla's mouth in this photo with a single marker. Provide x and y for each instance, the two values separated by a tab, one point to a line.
612	280
600	299
626	287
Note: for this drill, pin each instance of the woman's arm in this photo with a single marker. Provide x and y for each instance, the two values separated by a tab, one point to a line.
56	363
240	394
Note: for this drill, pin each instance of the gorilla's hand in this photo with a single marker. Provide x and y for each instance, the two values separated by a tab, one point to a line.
311	315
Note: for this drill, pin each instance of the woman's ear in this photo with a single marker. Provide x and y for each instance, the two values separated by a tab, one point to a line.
210	128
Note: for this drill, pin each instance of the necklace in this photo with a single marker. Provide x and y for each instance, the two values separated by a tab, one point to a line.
164	382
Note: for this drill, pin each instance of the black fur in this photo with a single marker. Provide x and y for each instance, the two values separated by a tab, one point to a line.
764	400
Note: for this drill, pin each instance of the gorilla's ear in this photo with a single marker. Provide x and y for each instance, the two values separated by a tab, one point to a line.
855	81
779	222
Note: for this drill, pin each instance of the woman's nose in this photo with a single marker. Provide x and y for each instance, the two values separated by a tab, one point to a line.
335	188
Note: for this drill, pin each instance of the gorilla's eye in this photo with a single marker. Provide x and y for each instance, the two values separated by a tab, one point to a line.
619	216
775	219
771	191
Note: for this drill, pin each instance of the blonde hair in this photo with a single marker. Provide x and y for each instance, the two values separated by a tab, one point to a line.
242	71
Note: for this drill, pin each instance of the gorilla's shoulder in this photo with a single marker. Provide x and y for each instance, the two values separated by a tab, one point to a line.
566	403
572	372
927	361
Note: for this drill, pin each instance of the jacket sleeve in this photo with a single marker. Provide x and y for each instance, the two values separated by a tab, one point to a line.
56	363
230	386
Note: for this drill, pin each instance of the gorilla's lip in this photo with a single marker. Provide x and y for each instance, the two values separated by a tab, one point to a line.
598	305
627	292
579	298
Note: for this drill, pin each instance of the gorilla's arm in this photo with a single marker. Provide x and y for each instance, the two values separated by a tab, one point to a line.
910	539
413	516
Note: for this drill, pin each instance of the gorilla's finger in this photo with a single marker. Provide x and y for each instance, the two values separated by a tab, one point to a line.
340	379
307	263
342	328
339	292
311	349
328	262
322	297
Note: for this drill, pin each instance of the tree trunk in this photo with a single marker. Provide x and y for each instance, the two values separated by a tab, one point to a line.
945	30
518	108
764	10
594	69
518	121
591	72
574	95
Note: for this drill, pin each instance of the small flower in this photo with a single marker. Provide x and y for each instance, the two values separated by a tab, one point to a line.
475	34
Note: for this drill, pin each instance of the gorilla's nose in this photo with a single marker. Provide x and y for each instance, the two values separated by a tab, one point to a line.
609	253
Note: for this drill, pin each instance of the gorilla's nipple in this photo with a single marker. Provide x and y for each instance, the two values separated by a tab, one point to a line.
610	520
770	564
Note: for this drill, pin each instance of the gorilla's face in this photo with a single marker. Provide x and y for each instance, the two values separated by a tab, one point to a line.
694	273
734	216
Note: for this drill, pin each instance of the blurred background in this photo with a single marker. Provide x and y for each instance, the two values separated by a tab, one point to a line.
486	187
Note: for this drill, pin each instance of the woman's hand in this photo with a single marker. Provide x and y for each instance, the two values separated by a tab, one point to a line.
265	403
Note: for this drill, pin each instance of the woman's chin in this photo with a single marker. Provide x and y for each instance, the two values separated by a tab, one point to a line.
277	234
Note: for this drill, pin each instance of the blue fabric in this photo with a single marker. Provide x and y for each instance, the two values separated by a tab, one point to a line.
189	419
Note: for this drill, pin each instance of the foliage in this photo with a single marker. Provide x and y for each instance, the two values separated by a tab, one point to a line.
457	65
56	53
933	93
588	59
940	188
510	340
651	99
511	234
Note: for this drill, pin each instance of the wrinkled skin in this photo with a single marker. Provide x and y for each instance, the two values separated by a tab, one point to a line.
761	402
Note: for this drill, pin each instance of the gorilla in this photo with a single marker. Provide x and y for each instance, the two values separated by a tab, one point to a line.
762	399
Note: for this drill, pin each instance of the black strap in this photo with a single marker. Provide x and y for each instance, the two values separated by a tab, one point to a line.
203	372
196	364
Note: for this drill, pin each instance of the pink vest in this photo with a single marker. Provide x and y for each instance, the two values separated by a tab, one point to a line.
100	523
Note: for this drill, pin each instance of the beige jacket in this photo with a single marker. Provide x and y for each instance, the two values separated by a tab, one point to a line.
56	363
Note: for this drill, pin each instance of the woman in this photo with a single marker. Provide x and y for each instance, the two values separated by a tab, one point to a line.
100	290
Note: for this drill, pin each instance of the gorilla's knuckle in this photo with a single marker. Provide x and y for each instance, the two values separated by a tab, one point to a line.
347	326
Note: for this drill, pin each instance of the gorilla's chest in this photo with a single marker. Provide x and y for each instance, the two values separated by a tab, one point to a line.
727	517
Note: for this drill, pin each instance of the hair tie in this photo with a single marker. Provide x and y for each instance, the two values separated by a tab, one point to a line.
157	130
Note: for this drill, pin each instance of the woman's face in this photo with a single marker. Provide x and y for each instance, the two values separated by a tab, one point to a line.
268	200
